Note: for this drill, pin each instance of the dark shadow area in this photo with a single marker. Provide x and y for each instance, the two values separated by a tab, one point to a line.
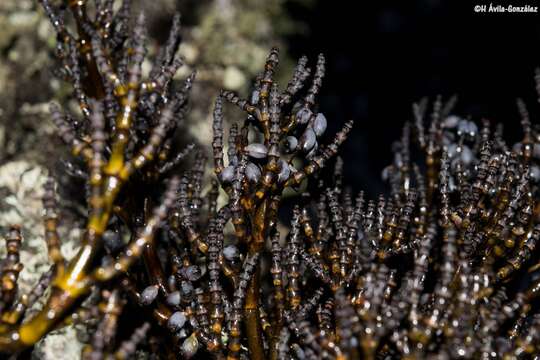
384	56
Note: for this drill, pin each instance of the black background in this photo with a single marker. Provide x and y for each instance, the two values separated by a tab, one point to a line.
383	56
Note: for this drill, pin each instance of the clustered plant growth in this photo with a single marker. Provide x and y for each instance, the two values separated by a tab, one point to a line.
442	267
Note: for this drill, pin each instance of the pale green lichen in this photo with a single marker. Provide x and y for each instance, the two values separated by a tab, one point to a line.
21	186
61	344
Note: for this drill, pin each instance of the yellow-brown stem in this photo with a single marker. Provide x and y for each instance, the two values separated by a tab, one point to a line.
253	321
